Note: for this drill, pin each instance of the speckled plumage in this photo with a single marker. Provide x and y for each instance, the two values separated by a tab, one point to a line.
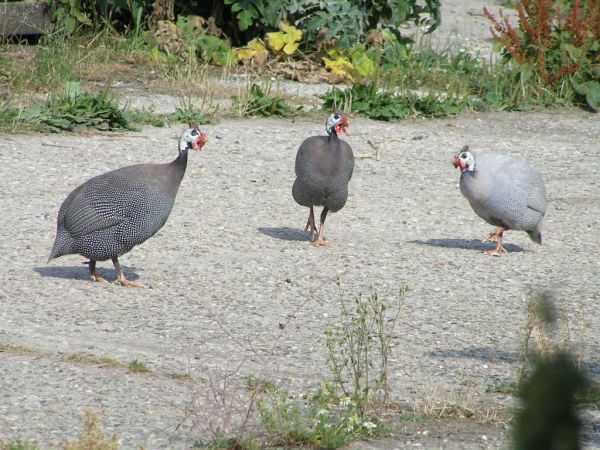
108	215
324	166
505	191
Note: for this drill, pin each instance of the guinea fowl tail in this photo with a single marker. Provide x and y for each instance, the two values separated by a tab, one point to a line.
536	236
62	246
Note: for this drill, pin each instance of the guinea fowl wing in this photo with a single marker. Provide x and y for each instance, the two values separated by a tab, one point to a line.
115	198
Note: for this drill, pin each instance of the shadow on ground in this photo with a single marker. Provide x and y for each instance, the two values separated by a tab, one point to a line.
82	273
465	244
284	233
483	353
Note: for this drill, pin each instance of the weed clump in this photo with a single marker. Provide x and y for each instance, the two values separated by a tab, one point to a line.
92	437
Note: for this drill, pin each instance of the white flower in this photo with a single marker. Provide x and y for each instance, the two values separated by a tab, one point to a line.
345	401
322	412
369	425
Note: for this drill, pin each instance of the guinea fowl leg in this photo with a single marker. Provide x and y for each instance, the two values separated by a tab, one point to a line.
310	224
121	277
94	275
320	242
499	250
494	235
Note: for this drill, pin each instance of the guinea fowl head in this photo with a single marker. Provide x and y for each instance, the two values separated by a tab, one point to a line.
336	123
464	160
192	138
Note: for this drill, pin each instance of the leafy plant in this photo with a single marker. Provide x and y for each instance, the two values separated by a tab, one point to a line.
549	418
18	445
358	349
354	63
255	101
92	437
347	22
71	109
286	40
366	100
553	48
69	15
319	418
138	366
208	47
254	51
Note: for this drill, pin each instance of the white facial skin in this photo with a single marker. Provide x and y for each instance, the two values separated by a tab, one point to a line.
192	138
467	161
331	121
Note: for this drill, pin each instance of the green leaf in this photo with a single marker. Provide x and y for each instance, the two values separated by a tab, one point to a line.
591	91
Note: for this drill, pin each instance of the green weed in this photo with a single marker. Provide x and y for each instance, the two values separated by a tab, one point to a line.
367	101
339	411
69	110
256	101
88	359
320	418
510	388
555	47
138	366
18	445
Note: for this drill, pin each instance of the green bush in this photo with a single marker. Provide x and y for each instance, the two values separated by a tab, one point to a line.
347	21
554	48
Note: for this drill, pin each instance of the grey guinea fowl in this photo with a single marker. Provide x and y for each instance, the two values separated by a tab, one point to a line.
505	192
324	166
109	214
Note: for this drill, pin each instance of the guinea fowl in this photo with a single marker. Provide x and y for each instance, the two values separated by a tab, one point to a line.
505	192
324	166
108	215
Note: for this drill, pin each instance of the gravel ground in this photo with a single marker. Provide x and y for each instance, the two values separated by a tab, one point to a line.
233	287
232	264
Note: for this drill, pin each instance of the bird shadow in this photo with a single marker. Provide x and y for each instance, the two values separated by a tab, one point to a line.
82	273
511	357
284	233
465	244
480	353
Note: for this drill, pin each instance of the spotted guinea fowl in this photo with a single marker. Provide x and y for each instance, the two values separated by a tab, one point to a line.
324	166
505	192
109	214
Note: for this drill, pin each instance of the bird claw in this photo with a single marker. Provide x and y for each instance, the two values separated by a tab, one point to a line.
95	276
129	283
320	243
498	251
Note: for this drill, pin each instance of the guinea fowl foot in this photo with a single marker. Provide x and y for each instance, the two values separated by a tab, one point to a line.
498	251
320	243
320	240
130	283
121	276
95	276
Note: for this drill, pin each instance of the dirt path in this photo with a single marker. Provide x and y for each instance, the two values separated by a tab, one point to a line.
232	264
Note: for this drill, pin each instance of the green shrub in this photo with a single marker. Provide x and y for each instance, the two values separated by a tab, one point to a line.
367	100
256	101
554	48
70	109
346	21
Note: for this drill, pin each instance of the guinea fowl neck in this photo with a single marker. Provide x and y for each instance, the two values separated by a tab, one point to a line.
333	141
181	160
